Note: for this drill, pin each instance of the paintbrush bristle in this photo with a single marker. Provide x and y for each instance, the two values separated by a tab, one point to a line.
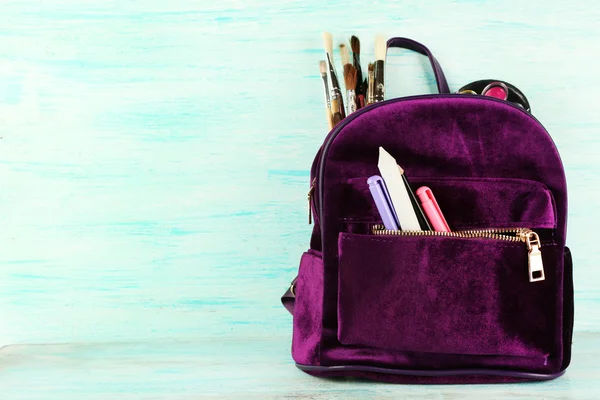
323	67
355	44
328	43
344	54
380	48
350	76
371	67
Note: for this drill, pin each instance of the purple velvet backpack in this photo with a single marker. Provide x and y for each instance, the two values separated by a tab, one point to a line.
458	308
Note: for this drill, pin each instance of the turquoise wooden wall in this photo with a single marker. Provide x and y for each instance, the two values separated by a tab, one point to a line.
154	163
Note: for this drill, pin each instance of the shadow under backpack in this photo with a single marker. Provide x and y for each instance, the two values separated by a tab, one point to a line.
436	309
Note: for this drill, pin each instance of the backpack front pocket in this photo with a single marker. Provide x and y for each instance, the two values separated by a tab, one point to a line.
468	203
442	294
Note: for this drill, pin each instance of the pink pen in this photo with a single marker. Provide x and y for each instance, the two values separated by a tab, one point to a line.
432	210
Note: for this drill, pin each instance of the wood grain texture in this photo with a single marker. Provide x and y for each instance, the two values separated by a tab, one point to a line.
154	163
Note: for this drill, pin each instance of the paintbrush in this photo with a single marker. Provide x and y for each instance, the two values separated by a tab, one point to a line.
337	103
323	70
349	79
371	84
355	45
380	51
364	88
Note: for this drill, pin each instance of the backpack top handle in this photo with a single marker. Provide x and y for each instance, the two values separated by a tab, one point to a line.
409	44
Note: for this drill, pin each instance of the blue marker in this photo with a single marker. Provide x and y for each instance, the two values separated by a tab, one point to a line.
383	202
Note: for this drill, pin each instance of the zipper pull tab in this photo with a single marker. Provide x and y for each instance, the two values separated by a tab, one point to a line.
536	266
310	194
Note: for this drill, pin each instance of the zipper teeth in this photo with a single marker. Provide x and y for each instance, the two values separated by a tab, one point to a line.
504	234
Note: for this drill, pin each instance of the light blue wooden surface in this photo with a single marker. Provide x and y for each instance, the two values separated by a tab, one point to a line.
154	162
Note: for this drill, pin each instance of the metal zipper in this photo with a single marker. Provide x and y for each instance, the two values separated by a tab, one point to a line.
535	265
333	133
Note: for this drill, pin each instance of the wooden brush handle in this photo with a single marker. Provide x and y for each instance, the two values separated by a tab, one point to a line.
329	118
337	118
337	104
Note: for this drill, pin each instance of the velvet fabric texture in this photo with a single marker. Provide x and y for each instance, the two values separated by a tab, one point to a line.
437	303
307	317
443	295
462	376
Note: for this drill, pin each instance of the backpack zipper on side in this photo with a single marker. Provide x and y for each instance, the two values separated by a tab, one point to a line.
525	235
